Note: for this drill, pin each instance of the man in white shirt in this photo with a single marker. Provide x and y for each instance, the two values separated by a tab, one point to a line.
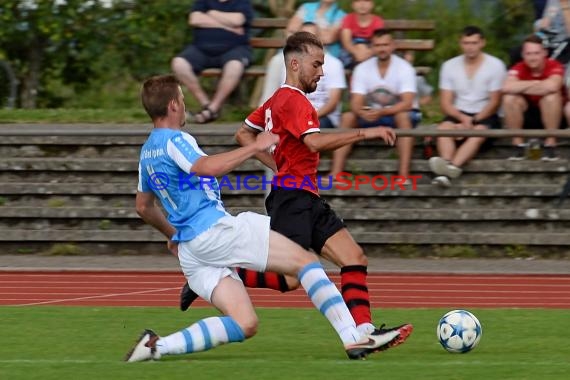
383	93
327	97
470	95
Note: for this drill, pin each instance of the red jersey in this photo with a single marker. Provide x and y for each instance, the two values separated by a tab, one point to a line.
521	71
350	21
290	115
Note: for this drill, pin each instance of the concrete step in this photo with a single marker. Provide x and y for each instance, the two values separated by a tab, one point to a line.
443	214
150	236
351	190
383	166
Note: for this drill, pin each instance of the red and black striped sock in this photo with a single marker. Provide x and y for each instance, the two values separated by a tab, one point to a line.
270	280
355	292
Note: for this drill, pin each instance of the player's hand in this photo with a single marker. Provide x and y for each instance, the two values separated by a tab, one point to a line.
386	134
266	140
172	247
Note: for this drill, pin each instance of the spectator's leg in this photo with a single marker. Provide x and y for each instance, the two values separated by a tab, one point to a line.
231	75
446	145
405	145
340	155
514	107
185	74
469	148
551	114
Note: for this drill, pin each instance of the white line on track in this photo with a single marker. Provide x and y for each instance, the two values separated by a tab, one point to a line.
97	296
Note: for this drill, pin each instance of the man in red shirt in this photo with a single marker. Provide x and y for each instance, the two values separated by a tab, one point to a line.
533	96
294	205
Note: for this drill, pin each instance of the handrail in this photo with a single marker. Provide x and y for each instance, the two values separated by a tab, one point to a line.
143	130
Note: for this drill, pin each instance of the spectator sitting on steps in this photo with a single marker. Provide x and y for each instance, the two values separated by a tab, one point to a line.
470	95
534	96
221	40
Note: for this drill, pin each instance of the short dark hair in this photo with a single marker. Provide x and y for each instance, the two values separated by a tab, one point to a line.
299	42
471	30
533	39
381	32
157	92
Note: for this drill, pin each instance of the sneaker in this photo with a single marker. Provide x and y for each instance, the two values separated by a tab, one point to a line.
549	153
187	296
442	167
379	340
520	153
144	349
442	181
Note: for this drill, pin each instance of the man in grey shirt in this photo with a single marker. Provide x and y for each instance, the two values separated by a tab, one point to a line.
470	95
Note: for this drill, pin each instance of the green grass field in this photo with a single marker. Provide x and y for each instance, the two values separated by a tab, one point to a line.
89	343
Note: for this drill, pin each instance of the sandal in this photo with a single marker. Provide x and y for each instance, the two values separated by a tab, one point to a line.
205	116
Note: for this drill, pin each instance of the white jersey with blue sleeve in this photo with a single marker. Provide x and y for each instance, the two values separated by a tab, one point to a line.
193	203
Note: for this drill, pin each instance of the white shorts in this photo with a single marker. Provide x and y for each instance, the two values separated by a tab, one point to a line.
234	241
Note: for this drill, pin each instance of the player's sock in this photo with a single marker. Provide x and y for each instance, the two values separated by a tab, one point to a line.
326	297
355	292
201	336
270	280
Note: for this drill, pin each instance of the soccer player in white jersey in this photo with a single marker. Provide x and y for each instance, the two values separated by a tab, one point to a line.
209	242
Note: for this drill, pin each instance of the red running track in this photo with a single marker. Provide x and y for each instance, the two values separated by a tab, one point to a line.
386	290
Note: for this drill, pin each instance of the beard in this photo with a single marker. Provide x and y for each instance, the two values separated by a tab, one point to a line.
309	86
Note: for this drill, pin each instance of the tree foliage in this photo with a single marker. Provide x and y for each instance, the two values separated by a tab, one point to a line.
92	52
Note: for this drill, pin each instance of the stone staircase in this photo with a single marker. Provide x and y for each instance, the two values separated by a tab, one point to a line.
70	190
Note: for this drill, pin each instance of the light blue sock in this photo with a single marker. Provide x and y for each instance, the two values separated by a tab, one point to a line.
201	336
326	297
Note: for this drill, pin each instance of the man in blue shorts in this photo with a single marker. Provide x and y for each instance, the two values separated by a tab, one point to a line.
221	40
209	242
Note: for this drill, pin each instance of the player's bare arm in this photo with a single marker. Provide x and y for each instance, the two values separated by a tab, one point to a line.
246	136
148	209
320	142
220	164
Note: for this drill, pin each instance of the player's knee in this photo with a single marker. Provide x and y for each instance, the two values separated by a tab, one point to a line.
249	326
353	256
292	283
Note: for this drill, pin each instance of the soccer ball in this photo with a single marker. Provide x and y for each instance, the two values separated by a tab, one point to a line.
459	331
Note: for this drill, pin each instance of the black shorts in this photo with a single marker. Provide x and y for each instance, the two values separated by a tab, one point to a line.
303	217
492	122
201	60
533	118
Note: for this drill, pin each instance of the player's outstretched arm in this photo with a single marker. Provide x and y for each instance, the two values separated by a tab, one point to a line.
246	136
220	164
319	142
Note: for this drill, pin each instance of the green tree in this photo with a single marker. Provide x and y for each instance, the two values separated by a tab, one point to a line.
41	36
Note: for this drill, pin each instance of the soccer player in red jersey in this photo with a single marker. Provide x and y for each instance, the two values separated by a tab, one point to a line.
294	205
